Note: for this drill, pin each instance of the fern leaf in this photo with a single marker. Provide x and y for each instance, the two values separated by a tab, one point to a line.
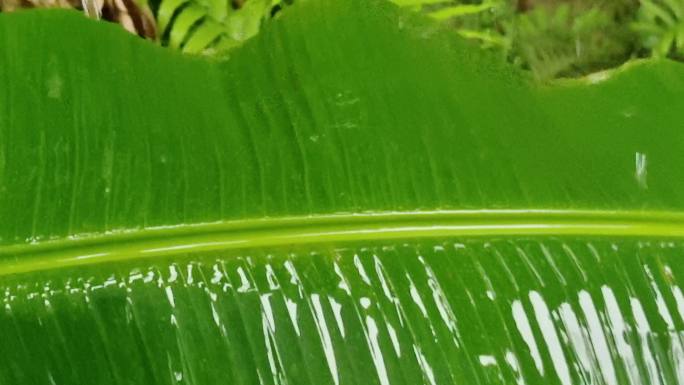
487	37
665	44
418	3
216	9
184	22
662	26
676	7
167	9
245	23
655	11
196	26
461	10
651	28
202	37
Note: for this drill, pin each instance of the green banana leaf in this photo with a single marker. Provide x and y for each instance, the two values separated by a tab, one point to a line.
356	197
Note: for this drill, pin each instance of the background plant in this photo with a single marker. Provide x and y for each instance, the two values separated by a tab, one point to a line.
660	24
551	38
211	26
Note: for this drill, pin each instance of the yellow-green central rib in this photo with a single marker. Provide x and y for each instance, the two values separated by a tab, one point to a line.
337	229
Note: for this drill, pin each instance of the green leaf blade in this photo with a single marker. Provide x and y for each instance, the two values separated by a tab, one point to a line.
398	210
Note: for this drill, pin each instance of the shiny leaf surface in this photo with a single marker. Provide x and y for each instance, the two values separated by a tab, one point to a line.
356	197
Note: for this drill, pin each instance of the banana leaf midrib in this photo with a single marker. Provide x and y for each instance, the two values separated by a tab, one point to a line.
335	228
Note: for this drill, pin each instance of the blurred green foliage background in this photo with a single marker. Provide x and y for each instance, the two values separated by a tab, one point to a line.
556	38
550	38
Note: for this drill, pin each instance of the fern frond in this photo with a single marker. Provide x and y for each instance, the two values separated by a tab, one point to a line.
166	11
461	10
418	3
184	22
661	26
203	36
210	26
486	37
562	41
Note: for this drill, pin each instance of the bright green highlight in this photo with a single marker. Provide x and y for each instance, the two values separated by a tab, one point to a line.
333	229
